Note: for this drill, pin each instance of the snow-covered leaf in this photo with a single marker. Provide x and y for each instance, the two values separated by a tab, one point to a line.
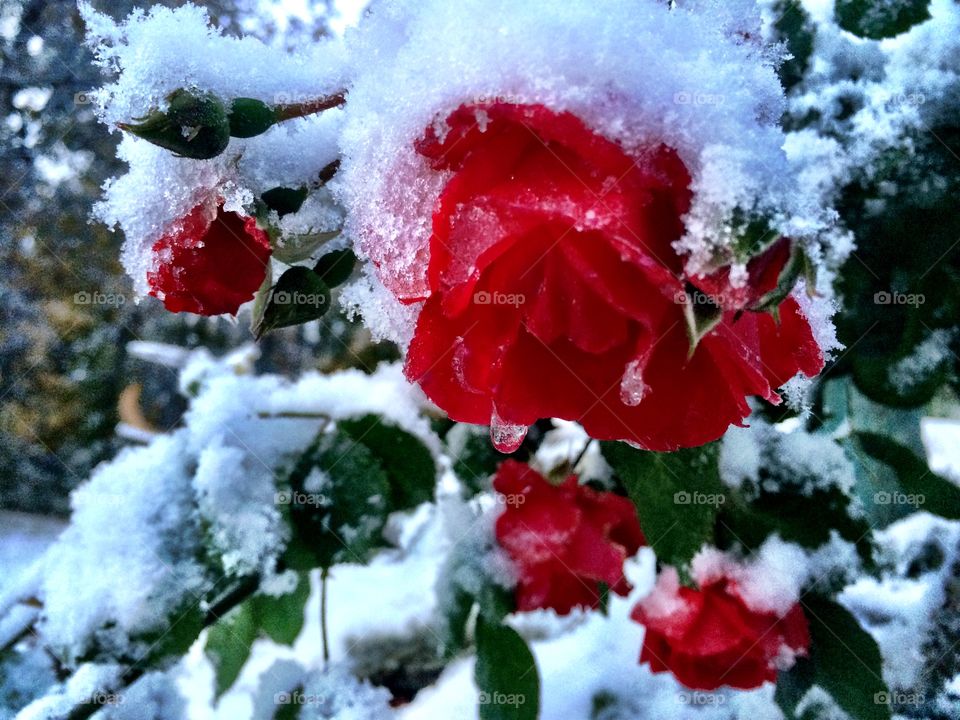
405	459
878	19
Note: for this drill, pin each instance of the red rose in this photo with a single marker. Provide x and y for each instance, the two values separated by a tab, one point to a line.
555	290
709	637
209	267
564	539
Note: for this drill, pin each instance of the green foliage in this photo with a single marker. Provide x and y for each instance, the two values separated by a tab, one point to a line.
344	486
916	481
677	496
338	500
336	267
793	27
506	674
878	19
844	660
299	296
806	519
229	643
406	460
230	639
902	308
284	200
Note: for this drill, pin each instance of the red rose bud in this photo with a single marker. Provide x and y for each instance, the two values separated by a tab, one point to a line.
209	267
564	540
555	291
709	637
194	125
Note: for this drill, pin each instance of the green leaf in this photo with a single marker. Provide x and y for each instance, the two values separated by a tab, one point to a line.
793	26
677	496
506	674
406	460
176	640
474	457
284	200
281	618
792	685
845	660
921	488
701	316
228	645
878	19
804	519
339	500
336	267
297	248
298	297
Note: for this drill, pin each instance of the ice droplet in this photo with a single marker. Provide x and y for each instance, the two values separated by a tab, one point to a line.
632	386
505	436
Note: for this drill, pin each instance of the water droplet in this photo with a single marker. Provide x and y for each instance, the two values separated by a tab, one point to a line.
632	386
506	437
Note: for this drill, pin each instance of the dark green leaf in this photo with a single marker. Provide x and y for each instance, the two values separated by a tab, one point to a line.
335	267
920	487
792	685
339	500
228	645
506	674
793	26
878	19
282	617
406	460
298	297
804	519
846	660
177	639
474	457
284	200
677	496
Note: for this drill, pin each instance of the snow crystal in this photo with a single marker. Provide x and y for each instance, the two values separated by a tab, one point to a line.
129	557
157	52
689	80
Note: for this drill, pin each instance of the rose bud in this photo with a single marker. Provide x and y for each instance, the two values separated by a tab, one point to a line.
209	266
194	125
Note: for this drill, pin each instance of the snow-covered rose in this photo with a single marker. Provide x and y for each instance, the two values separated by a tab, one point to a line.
565	540
710	637
555	289
210	265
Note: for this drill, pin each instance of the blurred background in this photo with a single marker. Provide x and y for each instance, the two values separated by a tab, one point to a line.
70	329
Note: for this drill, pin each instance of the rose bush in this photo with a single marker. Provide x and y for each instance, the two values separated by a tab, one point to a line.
209	265
710	637
555	290
564	539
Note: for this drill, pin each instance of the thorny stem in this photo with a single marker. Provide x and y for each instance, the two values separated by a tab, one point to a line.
298	110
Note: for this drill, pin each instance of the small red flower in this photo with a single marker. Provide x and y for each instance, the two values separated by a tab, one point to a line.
209	266
554	290
564	539
710	637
